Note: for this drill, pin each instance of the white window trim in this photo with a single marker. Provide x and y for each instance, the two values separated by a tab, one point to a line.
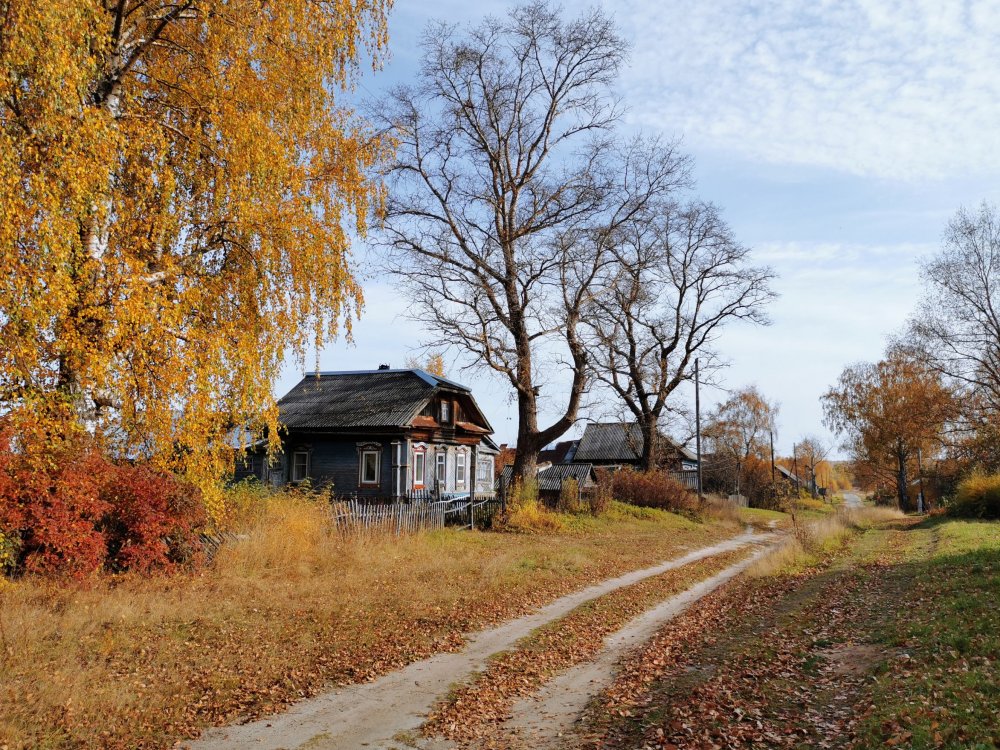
305	469
441	463
420	478
461	469
378	466
484	473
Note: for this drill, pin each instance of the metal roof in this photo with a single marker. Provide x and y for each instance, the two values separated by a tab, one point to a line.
552	477
338	400
617	441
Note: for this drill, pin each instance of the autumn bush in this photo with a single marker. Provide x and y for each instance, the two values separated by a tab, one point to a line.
978	496
599	500
652	489
69	511
525	513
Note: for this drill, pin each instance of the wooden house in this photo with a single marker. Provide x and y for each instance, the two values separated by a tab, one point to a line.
379	433
619	444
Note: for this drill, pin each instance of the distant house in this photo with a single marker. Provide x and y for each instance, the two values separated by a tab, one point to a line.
786	475
550	479
384	432
561	453
620	444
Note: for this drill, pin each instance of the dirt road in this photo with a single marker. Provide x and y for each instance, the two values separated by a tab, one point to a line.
384	713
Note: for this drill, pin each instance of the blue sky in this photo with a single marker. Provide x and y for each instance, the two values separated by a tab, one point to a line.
838	136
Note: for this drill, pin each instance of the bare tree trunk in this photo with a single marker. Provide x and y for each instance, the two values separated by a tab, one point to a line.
902	486
650	443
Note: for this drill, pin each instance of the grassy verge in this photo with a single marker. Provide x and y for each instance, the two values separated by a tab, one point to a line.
942	688
485	702
282	614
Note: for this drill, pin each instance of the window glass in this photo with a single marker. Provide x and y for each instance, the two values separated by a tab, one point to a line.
442	468
300	466
369	467
419	459
445	412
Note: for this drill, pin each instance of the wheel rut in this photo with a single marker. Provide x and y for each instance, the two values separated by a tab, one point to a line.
388	712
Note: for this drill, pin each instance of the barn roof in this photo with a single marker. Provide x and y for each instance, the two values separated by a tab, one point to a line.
617	441
362	399
552	477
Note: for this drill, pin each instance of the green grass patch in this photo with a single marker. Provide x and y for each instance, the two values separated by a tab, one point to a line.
943	689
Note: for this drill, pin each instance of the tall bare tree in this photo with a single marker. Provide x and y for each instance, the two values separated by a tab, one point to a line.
679	276
509	183
957	325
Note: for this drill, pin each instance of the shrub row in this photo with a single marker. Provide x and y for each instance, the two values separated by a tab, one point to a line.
71	512
978	496
650	489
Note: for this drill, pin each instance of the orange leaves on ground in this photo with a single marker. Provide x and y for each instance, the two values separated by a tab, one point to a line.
479	708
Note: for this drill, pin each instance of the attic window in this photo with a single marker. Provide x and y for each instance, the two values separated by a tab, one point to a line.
445	411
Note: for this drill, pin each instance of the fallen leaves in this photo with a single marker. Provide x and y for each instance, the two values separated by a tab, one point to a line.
474	710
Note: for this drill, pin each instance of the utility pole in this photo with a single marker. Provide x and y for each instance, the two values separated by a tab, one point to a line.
920	474
697	426
795	467
774	481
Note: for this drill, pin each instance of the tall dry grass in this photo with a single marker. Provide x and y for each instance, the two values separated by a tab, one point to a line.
811	540
288	606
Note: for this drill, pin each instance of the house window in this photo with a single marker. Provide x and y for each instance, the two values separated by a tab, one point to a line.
441	468
370	466
419	466
445	412
485	471
300	466
460	470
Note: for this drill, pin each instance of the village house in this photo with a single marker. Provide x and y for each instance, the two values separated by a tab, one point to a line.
379	433
619	444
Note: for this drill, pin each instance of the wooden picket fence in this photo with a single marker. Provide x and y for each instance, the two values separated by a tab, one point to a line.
353	515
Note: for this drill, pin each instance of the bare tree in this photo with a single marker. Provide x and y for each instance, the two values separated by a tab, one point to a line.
813	451
508	184
679	277
957	325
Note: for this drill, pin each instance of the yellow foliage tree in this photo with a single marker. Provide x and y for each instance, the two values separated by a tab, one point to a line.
434	364
178	182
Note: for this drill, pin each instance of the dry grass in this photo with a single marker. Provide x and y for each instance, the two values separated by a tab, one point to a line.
811	540
288	609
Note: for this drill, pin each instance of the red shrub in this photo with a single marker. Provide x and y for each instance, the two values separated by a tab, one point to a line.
53	505
152	519
71	512
652	489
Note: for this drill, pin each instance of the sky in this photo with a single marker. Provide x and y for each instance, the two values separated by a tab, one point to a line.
837	136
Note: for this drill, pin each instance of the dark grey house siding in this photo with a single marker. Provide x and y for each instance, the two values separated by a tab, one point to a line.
335	463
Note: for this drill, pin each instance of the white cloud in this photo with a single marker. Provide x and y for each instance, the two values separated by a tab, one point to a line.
838	304
898	89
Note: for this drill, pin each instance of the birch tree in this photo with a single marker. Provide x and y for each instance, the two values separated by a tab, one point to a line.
887	411
178	181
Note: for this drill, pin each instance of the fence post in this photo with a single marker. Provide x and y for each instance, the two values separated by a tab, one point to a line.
472	508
